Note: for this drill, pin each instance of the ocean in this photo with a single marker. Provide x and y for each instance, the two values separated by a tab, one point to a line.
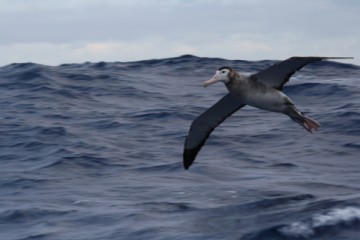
93	151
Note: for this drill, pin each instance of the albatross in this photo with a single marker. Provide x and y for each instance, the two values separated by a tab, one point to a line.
261	90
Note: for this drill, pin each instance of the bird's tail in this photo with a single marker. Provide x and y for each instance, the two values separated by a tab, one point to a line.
309	124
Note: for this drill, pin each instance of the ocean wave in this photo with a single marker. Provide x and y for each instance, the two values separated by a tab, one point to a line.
23	215
97	147
319	89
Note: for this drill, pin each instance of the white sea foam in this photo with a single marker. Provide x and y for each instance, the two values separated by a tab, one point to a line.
297	229
334	217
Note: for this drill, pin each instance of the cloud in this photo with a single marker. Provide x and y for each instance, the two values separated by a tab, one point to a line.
94	30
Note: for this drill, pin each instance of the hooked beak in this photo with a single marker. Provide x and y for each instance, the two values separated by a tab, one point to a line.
214	79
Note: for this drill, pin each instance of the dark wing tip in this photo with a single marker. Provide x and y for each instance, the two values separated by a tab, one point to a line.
339	57
187	161
190	155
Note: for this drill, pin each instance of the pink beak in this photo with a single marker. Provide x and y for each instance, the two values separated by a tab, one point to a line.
214	79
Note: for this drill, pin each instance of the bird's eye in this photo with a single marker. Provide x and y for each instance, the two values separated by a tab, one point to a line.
223	71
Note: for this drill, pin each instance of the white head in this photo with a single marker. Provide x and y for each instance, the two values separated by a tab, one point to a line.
221	75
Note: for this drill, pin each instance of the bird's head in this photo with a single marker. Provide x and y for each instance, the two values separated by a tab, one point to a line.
223	74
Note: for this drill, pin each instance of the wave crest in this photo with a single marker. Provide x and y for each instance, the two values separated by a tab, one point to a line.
308	228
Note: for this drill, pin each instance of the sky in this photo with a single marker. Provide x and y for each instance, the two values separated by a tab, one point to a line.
53	32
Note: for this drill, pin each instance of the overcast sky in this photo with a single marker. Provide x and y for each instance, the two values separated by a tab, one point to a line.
52	32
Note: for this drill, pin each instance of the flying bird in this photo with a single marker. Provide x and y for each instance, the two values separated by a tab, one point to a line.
261	90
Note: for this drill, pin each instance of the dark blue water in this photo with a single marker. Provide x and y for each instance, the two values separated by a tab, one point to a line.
94	151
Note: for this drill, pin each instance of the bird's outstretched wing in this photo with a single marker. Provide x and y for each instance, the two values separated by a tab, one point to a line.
204	124
279	73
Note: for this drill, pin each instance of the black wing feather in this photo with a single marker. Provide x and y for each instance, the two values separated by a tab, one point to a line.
279	73
204	124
